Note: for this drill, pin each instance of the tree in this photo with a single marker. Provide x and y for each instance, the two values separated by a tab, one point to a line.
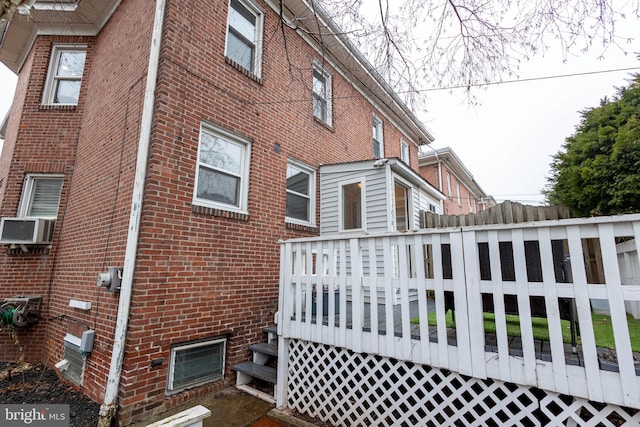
597	171
421	44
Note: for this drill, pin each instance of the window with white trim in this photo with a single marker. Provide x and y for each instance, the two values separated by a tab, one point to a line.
321	94
352	214
378	140
65	75
244	35
195	364
222	175
301	200
41	196
403	210
404	152
458	194
449	191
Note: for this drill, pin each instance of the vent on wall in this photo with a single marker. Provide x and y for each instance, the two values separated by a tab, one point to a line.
75	369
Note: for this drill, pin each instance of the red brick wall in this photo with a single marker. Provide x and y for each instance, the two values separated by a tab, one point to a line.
199	274
450	204
94	145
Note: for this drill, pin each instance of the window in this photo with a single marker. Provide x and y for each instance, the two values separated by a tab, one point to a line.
321	94
222	176
195	364
244	30
378	143
449	192
458	194
301	183
404	152
65	75
41	196
352	202
402	207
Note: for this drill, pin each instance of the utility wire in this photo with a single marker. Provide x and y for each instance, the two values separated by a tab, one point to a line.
531	79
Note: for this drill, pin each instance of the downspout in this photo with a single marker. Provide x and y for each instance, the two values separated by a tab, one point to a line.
108	408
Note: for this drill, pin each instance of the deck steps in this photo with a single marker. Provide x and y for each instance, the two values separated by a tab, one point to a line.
270	349
254	370
259	377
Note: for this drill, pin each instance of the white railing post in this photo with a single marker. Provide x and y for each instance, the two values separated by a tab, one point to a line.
471	338
624	354
583	307
357	305
553	312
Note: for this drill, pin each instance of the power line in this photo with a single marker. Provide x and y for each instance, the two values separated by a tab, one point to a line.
531	79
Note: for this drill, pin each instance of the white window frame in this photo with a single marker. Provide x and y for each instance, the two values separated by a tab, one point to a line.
50	88
258	12
458	193
410	207
28	193
405	152
449	189
243	190
326	97
171	374
363	205
377	124
311	196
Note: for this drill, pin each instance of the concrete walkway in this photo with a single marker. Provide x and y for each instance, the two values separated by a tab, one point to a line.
234	408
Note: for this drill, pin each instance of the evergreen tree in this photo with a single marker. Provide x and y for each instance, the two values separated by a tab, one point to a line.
597	172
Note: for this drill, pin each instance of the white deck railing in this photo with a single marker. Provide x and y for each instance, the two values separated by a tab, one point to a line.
374	285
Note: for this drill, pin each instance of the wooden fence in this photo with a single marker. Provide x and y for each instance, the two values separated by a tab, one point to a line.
427	263
507	212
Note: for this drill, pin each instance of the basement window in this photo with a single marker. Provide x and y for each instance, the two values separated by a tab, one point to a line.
196	363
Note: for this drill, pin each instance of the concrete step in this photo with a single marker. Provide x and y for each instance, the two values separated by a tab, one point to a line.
270	349
254	370
271	330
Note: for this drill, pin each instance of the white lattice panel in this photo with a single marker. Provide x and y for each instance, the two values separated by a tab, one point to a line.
351	389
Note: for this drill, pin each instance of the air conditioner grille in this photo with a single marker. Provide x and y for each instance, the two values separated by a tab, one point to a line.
19	230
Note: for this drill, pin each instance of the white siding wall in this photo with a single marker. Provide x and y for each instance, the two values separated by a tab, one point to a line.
375	199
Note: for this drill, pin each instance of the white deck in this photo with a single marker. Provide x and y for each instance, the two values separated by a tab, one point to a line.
412	263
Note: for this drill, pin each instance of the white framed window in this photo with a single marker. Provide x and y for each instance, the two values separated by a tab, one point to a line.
458	194
195	364
404	152
352	205
449	189
222	174
65	75
403	205
378	139
321	94
244	35
301	194
41	196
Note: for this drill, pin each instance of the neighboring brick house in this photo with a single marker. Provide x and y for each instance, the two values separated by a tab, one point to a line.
444	169
178	185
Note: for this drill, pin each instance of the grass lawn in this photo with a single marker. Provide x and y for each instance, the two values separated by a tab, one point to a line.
602	328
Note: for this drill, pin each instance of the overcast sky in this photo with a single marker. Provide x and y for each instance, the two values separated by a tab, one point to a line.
507	141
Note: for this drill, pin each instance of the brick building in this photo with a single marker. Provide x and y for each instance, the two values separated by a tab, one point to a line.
161	149
443	168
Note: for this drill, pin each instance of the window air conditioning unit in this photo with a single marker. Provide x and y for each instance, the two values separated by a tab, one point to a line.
26	231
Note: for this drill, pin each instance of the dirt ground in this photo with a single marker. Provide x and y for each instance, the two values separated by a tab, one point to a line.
37	384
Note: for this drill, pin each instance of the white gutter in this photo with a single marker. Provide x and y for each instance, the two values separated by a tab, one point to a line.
107	410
